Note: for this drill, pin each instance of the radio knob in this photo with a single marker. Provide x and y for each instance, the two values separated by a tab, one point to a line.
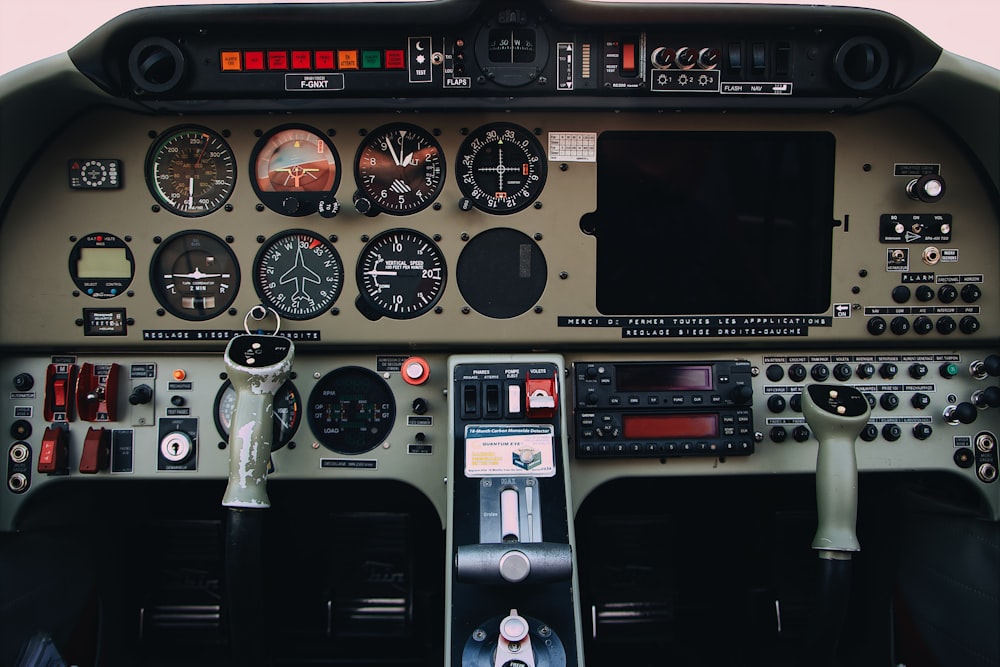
800	433
866	371
947	293
797	372
971	293
742	394
889	401
876	326
923	325
820	373
968	325
946	324
922	431
776	403
900	325
591	398
590	373
842	372
924	293
920	400
888	371
891	432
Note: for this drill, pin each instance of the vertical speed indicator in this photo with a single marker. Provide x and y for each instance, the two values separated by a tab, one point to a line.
401	274
501	168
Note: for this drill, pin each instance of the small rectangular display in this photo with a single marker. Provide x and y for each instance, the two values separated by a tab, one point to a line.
670	426
662	377
103	263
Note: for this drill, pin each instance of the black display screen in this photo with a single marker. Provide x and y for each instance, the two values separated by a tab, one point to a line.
713	222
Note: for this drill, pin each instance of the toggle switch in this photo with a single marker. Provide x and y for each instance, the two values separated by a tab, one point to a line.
96	451
541	397
60	384
54	455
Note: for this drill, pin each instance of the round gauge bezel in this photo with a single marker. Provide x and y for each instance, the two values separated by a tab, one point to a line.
371	300
267	297
292	202
221	191
156	275
357	381
373	189
288	388
480	139
100	287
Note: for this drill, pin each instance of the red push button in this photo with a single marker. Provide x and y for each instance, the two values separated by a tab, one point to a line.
253	61
415	371
277	60
395	59
325	61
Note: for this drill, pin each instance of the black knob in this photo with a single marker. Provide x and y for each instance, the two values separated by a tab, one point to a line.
590	373
797	372
876	326
591	398
775	372
991	365
888	371
795	402
842	372
891	432
776	403
419	406
290	205
870	397
924	293
741	394
177	401
23	381
869	432
20	429
917	371
947	293
922	431
968	324
820	373
946	324
963	412
363	204
929	188
987	398
900	293
800	434
779	434
141	394
920	400
971	293
923	325
889	401
866	371
899	325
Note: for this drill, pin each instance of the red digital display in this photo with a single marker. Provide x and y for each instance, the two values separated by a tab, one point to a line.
670	426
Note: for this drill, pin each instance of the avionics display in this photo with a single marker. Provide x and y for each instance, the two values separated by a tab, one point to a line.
713	222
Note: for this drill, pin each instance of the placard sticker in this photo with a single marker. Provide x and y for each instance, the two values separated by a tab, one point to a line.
493	450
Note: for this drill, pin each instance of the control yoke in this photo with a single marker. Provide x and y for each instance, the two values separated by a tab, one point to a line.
836	414
257	365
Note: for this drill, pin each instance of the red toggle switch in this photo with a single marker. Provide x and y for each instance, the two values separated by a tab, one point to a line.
542	397
628	60
54	455
60	383
96	451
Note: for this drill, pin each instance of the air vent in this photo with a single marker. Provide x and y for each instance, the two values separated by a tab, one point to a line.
862	63
156	65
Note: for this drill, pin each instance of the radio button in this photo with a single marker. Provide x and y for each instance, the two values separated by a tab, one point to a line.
615	400
653	400
698	399
677	400
634	400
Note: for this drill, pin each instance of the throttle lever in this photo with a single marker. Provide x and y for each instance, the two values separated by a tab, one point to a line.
257	365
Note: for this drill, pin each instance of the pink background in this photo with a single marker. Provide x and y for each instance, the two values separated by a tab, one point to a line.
35	29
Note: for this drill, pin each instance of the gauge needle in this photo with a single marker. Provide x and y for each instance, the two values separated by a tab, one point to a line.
408	159
191	191
392	151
